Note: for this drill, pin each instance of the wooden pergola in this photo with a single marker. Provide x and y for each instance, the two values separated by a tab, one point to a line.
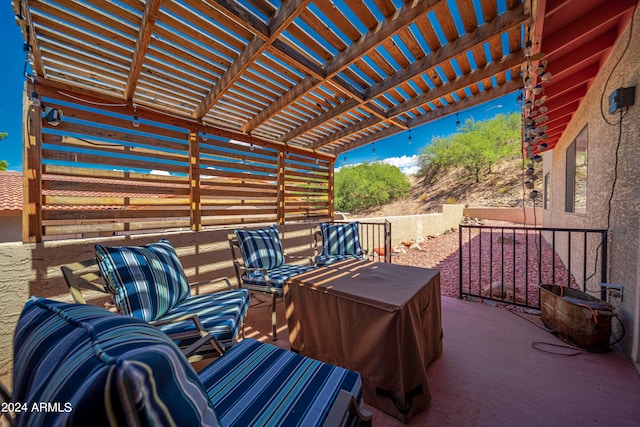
240	107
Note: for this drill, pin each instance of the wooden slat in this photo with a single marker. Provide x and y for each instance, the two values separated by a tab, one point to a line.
76	213
59	230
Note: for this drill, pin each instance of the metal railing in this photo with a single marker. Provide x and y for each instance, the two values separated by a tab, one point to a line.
375	239
508	264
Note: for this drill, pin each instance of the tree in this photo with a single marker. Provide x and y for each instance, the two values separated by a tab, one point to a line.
3	163
476	147
368	185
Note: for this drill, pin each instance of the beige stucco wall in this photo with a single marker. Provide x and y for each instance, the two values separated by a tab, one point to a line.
10	227
34	269
406	228
526	216
623	257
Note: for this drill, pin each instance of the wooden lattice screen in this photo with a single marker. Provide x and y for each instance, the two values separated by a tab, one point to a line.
99	173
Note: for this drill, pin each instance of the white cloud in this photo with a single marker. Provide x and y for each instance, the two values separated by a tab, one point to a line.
407	164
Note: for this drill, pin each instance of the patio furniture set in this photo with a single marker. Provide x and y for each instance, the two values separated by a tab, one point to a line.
129	364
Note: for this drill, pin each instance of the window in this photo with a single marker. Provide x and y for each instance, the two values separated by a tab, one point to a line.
576	185
546	194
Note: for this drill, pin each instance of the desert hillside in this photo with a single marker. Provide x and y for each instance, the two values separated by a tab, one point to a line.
500	188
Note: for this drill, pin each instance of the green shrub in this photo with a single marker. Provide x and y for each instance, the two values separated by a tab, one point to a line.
368	185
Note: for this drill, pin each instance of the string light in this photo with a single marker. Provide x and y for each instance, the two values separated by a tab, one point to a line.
135	122
410	136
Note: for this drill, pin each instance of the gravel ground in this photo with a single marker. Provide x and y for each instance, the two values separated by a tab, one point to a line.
493	257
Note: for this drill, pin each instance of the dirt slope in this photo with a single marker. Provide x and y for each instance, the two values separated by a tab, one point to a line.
500	188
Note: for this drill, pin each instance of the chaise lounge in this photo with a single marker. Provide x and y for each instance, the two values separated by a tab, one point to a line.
98	368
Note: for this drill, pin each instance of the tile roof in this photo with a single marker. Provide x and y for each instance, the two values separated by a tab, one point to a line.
10	191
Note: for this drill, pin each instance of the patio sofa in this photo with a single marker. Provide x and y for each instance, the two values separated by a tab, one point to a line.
93	367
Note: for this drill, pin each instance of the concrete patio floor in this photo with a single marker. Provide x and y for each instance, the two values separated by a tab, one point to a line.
490	375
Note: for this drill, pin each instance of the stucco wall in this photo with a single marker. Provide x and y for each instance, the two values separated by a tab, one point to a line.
603	139
34	269
409	227
526	216
11	227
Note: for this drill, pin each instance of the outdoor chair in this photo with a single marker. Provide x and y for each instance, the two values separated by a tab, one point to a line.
259	261
149	283
89	366
337	242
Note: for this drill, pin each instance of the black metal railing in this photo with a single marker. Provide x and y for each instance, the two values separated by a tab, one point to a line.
375	239
507	264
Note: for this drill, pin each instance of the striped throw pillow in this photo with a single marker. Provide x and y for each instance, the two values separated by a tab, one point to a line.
96	368
145	281
340	239
261	248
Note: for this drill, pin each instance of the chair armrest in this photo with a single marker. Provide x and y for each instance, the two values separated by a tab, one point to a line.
201	332
344	405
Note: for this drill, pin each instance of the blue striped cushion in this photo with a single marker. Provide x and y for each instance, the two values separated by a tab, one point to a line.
329	259
277	276
103	369
221	313
340	239
261	248
262	385
145	281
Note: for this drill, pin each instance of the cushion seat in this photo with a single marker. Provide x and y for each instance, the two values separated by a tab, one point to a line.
277	275
220	313
263	385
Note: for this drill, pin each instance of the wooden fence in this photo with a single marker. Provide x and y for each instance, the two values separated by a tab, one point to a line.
109	168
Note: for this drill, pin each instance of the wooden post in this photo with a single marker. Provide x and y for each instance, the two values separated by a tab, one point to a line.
195	209
331	191
281	203
32	169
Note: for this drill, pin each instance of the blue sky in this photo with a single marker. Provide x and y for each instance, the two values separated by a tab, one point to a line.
395	149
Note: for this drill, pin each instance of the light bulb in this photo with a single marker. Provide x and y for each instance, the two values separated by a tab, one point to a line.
251	147
35	99
537	158
204	136
530	171
135	122
534	194
537	90
528	184
546	76
542	146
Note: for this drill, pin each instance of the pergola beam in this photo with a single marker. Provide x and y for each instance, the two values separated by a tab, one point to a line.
148	21
282	18
489	70
503	23
480	98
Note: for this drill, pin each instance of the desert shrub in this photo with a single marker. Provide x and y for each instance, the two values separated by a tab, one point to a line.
368	185
476	147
